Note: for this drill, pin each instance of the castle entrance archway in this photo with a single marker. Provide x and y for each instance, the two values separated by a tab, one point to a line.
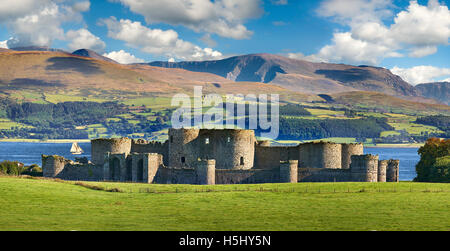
129	170
114	168
140	170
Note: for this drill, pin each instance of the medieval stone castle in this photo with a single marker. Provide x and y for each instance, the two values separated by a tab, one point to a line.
201	156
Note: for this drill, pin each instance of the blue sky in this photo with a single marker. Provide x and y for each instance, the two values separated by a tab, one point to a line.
408	37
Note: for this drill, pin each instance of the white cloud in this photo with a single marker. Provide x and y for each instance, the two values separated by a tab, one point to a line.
18	8
422	25
156	41
223	17
422	74
38	28
123	57
422	51
355	11
301	56
84	39
4	44
82	6
39	22
416	31
279	2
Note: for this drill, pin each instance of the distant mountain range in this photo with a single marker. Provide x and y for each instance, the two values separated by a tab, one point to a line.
300	75
437	90
35	72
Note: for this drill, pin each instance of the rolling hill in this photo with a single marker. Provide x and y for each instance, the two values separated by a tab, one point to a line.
55	76
59	72
143	94
302	76
91	54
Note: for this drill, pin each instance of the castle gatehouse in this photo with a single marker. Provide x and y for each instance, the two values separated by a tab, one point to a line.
229	156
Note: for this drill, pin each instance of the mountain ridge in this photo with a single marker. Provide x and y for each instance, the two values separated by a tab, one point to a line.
92	54
300	75
29	76
436	90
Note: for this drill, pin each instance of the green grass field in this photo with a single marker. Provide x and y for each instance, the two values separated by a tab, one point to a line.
31	204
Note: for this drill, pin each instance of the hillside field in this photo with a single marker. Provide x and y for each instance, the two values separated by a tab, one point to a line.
39	204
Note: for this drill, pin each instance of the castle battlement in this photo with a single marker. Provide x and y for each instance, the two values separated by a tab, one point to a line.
228	156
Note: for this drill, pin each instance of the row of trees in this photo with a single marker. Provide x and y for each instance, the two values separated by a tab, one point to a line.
440	121
306	129
63	115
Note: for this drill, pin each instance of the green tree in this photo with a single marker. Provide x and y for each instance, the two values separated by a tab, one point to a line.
434	164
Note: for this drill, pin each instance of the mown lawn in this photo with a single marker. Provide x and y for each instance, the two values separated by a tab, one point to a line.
30	204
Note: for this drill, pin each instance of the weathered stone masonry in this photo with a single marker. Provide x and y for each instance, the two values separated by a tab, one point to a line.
208	157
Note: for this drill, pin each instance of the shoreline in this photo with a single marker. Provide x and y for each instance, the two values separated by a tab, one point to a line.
395	146
55	141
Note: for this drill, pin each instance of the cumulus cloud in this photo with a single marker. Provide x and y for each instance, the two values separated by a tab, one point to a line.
279	2
416	31
39	22
84	39
347	49
156	41
123	57
422	74
82	6
301	56
223	17
4	44
18	8
355	11
422	25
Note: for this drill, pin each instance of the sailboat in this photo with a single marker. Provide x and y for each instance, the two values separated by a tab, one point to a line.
76	149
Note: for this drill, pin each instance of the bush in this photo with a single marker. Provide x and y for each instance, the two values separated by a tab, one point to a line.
441	169
33	170
13	168
434	161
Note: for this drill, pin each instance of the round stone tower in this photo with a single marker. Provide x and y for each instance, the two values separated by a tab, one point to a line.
364	168
99	148
206	172
392	171
183	151
289	171
382	167
320	155
332	155
232	149
348	150
52	165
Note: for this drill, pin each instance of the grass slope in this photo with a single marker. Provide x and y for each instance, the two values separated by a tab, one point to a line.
29	204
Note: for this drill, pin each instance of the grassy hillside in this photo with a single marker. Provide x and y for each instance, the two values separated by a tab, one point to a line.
45	77
29	204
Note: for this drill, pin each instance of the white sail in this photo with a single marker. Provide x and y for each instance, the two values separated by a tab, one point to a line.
76	149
